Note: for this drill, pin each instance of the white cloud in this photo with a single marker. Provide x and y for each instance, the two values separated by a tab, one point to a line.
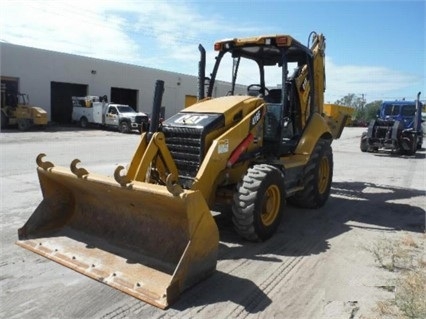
63	26
375	82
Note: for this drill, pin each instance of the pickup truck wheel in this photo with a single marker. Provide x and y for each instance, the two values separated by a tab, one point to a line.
84	123
124	127
258	203
318	174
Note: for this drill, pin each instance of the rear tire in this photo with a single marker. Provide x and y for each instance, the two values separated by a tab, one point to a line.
318	175
84	123
259	202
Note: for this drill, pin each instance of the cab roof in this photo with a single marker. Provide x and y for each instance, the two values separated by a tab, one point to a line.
266	49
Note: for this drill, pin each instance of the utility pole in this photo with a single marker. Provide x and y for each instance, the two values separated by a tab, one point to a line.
362	100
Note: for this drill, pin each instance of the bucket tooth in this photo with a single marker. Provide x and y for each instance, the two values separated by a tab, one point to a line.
79	172
123	180
44	165
172	186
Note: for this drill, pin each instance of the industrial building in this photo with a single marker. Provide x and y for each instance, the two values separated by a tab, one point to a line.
52	78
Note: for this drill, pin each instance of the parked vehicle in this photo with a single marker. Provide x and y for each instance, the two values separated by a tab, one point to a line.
96	110
16	110
398	128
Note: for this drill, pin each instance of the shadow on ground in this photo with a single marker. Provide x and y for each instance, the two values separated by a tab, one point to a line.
305	232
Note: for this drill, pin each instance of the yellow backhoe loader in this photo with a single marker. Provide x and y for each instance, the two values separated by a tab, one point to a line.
149	231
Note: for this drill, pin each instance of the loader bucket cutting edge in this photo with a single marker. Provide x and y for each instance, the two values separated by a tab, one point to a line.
139	239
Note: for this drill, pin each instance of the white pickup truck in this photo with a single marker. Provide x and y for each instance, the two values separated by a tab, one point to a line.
96	110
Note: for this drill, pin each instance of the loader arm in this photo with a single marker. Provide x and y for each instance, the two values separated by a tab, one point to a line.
214	169
150	155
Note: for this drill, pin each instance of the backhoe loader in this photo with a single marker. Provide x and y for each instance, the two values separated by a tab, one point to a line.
149	231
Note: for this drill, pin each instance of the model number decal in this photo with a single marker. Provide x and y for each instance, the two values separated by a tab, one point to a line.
190	119
256	118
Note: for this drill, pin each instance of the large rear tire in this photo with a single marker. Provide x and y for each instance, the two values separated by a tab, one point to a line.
317	178
259	202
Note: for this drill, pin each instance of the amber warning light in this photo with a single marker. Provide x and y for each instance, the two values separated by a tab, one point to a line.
282	41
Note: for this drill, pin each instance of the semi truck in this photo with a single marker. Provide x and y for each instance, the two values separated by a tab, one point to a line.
89	110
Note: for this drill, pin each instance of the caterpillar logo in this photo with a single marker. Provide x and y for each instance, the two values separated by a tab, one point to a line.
191	119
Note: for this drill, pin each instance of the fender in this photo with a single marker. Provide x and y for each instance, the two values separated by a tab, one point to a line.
315	129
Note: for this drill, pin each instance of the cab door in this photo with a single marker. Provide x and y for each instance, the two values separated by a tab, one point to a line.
111	117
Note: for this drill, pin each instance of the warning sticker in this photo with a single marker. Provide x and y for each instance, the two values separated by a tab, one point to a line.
223	146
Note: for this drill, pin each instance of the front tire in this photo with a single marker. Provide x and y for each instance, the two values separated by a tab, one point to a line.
364	142
317	178
411	141
259	202
124	127
24	125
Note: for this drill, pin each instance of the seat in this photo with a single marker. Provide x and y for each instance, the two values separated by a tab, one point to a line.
274	96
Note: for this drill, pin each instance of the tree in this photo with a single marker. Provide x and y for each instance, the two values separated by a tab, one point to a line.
371	110
352	100
364	113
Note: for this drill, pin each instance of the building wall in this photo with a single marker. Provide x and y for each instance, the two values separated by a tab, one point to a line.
37	68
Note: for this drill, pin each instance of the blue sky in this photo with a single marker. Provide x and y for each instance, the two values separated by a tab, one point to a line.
375	48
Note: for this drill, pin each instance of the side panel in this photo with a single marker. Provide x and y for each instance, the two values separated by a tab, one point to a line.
79	112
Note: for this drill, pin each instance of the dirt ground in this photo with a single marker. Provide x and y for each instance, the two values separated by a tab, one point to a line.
319	264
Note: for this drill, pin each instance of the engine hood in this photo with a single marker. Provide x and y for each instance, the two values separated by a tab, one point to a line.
129	114
233	108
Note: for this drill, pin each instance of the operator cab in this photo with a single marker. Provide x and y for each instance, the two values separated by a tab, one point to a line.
285	115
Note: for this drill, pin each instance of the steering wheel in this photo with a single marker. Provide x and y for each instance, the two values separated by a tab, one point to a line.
257	87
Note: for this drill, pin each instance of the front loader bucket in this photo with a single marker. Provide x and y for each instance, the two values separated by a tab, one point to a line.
138	238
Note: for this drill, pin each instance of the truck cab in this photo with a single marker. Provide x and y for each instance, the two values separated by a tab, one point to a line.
125	118
398	127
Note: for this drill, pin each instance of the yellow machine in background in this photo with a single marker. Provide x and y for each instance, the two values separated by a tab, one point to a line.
149	231
335	111
16	110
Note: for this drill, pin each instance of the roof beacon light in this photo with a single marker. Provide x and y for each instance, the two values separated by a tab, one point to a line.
282	41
